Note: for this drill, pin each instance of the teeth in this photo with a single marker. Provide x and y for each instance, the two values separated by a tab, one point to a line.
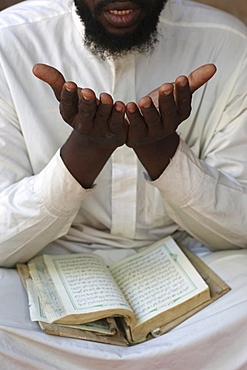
120	12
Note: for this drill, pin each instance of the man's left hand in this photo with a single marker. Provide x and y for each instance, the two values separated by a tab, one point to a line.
153	123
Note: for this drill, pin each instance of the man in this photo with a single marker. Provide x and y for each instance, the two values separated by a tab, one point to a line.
119	167
118	52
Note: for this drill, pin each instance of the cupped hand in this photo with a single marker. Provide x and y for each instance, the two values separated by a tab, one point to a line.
98	121
161	111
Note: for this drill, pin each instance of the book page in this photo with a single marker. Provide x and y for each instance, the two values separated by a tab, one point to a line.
157	279
34	304
74	284
37	314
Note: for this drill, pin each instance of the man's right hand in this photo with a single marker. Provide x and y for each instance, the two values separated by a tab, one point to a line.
99	125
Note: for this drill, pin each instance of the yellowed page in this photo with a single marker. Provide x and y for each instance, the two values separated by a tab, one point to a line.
157	279
74	284
37	314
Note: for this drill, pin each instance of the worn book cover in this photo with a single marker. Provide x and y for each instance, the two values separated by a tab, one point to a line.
133	300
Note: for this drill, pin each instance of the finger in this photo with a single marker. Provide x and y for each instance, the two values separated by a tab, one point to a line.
135	117
183	97
138	128
69	102
104	110
51	76
87	107
116	122
167	103
150	114
200	76
154	95
168	108
197	78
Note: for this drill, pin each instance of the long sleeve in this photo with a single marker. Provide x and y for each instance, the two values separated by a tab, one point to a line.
208	198
36	206
203	190
39	198
34	209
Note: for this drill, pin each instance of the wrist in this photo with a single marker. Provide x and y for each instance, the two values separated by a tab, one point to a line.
83	158
156	156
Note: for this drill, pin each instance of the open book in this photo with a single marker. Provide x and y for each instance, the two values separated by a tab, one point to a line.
146	292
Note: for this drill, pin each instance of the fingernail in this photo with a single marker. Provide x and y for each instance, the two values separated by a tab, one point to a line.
182	81
166	92
131	108
68	88
146	105
86	97
118	107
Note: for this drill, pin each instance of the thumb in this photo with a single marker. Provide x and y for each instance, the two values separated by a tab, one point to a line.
200	76
51	76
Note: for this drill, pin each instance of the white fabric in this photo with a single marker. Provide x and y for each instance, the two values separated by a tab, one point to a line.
214	338
206	197
40	201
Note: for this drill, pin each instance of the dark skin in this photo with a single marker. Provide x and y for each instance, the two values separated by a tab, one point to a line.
100	125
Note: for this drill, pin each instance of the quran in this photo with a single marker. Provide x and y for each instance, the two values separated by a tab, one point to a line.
128	302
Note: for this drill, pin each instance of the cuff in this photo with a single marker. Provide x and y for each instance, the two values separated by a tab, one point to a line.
57	189
182	178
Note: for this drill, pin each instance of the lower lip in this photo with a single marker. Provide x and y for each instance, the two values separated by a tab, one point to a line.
122	20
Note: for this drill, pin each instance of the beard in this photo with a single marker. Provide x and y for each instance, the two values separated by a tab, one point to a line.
105	44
